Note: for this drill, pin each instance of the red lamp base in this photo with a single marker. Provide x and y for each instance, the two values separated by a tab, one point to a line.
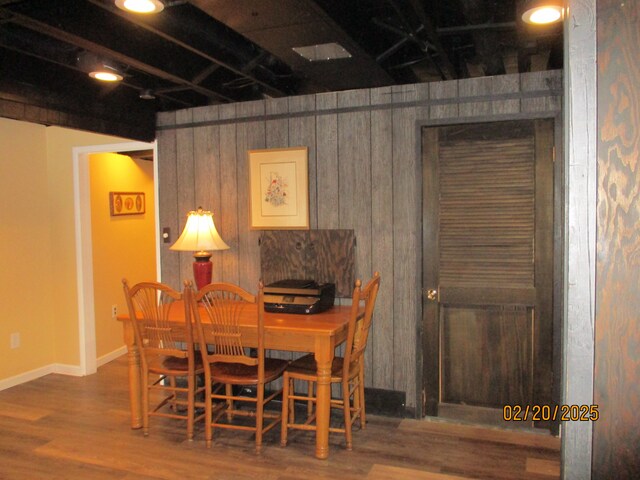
202	270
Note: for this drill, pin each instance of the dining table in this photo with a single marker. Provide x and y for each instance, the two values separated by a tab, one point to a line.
319	333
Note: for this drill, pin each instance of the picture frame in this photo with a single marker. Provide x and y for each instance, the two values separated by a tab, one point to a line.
126	203
279	188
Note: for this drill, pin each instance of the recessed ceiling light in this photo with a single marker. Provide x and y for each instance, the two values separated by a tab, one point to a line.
106	75
543	12
140	6
99	68
322	52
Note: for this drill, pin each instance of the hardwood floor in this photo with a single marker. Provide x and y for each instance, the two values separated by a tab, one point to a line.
60	427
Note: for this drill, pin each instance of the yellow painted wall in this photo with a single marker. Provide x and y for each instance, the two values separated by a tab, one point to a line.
26	282
38	290
123	246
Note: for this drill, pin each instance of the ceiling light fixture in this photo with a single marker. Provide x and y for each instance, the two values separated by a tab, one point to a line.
106	74
140	6
543	12
147	94
99	68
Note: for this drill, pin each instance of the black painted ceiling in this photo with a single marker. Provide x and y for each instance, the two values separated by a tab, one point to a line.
204	52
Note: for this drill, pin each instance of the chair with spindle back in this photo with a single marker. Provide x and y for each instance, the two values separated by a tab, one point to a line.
163	359
348	371
216	310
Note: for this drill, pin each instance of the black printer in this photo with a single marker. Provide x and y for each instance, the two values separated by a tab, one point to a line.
298	296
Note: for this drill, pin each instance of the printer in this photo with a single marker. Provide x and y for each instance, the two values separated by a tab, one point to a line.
298	296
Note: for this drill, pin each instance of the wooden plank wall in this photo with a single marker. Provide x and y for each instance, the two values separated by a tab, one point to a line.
580	200
616	436
365	173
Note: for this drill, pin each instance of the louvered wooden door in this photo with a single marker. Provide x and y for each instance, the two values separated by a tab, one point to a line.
488	253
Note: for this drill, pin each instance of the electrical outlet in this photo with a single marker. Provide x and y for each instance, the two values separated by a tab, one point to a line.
114	311
14	340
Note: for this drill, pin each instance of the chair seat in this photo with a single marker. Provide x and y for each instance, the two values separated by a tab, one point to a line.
177	363
173	364
240	374
307	366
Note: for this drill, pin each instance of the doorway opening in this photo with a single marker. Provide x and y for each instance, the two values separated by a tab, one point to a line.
84	243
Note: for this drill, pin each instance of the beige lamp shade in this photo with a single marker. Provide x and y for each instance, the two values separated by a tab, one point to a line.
199	234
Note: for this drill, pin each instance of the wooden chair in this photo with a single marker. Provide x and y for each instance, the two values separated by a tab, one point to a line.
162	357
348	371
216	310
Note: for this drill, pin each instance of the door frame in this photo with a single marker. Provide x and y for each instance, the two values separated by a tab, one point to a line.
559	235
84	243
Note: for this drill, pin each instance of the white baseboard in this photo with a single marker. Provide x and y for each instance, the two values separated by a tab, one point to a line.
26	377
61	368
73	370
118	352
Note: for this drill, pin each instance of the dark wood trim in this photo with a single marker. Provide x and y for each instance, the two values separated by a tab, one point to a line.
430	194
543	351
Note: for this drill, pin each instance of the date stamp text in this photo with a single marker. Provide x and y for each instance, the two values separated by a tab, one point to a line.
545	413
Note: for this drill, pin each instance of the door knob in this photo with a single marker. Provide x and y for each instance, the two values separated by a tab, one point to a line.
432	294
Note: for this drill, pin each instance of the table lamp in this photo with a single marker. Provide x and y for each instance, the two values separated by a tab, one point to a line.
200	236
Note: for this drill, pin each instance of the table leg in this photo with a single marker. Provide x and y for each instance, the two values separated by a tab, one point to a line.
135	394
324	358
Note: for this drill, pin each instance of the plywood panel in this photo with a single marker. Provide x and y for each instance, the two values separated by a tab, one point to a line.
616	438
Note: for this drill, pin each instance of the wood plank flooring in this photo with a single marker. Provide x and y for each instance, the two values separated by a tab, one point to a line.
60	427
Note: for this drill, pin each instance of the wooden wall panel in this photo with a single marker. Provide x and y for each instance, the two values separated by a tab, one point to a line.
327	161
302	132
580	205
381	346
250	135
407	247
186	186
616	436
168	199
206	153
229	203
364	174
475	87
277	130
501	86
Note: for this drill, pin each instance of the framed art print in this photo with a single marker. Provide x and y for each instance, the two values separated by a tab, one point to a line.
126	203
279	188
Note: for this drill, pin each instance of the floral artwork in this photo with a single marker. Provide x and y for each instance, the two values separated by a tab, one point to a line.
279	193
276	193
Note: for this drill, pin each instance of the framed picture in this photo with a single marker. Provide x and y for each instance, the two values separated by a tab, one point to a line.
279	189
126	203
